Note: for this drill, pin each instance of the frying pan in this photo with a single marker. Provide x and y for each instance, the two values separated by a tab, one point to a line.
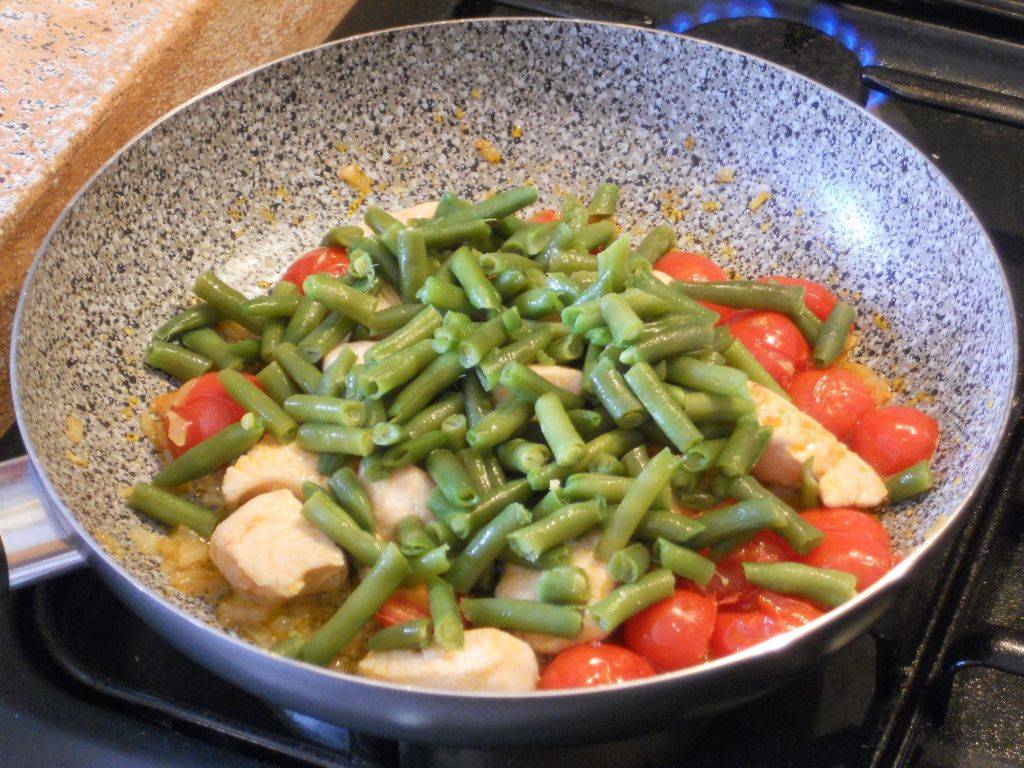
246	176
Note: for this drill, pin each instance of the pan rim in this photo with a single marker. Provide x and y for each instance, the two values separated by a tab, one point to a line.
886	586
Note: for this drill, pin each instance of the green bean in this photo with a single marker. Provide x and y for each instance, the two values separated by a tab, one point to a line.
640	495
556	557
743	448
715	379
551	502
590	236
449	203
634	462
329	463
335	523
822	585
684	562
527	385
808	485
629	564
279	423
225	299
738	356
572	261
807	322
663	408
275	305
495	473
325	337
703	455
289	647
197	316
500	425
352	496
538	302
751	515
530	239
566	349
547	477
567	523
275	382
414	449
798	533
831	340
475	465
656	243
326	410
912	481
604	200
298	368
307	316
475	346
521	455
370	594
711	357
454	428
614	394
525	350
444	614
510	283
564	585
413	634
435	378
388	433
428	566
629	599
474	282
391	319
451	477
606	464
560	434
172	510
213	452
341	237
647	306
600	337
372	469
523	616
412	537
272	335
584	485
181	363
442	534
412	262
248	350
332	438
616	442
207	343
341	298
745	294
444	296
497	262
660	523
332	381
703	407
454	328
379	254
441	508
679	302
495	207
485	546
465	524
379	220
623	322
670	343
378	379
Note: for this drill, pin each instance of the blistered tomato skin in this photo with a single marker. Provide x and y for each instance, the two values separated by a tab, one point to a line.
774	340
404	605
584	666
855	542
331	261
771	615
730	585
204	410
892	439
690	267
674	633
817	297
835	398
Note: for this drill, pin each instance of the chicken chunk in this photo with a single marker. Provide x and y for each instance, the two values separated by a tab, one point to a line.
404	492
844	478
358	349
490	660
563	376
266	549
663	276
521	584
269	466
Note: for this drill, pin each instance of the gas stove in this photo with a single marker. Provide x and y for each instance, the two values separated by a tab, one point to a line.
939	682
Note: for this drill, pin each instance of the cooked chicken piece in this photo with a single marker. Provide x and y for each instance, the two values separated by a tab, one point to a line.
562	376
358	348
404	492
268	550
521	584
663	276
490	660
269	466
844	478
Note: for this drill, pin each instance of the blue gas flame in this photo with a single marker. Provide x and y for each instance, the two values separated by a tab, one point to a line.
823	18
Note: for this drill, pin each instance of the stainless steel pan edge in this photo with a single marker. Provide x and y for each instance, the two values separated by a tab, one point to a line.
483	719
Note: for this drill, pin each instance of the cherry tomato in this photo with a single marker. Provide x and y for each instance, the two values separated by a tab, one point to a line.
694	268
674	633
545	216
736	631
855	542
774	340
333	261
835	397
817	297
200	410
729	584
892	439
583	666
404	605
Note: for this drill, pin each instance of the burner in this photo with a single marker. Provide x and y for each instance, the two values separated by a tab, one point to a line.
793	45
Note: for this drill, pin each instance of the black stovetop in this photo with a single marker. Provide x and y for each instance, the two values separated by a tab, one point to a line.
85	683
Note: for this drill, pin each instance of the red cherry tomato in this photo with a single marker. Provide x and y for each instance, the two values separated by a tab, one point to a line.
583	666
788	611
674	633
835	397
892	439
855	542
817	297
202	410
545	216
736	631
404	605
694	268
333	261
774	340
729	584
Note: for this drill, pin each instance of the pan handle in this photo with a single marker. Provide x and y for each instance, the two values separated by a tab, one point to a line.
32	547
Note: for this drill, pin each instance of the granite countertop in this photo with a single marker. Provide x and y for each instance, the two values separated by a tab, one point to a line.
78	78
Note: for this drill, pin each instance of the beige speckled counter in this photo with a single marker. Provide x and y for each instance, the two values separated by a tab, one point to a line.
78	78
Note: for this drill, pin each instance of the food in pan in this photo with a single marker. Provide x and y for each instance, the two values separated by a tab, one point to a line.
528	452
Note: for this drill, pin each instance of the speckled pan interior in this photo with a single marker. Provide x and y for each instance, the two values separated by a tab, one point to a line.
247	177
